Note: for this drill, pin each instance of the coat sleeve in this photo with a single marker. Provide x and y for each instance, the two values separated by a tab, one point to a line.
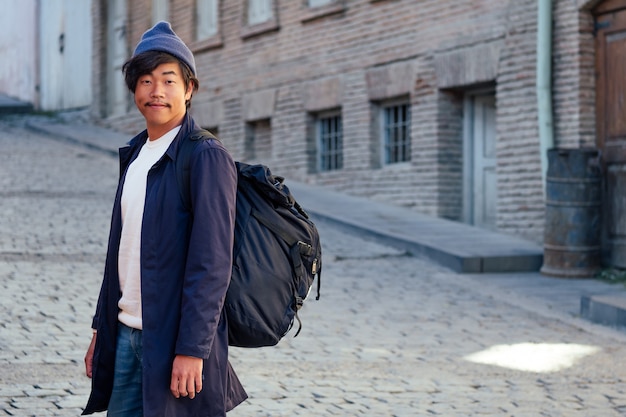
213	188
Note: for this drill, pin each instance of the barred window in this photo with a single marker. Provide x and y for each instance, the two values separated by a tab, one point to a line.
259	11
330	142
396	130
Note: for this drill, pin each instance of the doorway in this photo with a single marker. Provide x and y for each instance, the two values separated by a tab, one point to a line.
479	160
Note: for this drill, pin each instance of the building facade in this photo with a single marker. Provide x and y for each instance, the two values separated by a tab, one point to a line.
427	104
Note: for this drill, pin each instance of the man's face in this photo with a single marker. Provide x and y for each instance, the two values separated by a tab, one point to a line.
160	97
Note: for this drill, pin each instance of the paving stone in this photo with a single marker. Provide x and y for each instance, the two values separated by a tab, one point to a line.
387	338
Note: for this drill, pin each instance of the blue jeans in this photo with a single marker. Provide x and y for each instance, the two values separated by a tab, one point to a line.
126	399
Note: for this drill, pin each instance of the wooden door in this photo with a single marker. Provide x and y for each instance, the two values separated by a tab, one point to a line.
611	124
480	160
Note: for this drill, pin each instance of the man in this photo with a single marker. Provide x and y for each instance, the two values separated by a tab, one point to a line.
160	338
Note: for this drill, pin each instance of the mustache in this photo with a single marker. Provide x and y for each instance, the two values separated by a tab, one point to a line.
159	103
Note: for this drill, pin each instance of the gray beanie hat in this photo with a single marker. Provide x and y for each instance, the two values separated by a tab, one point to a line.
162	38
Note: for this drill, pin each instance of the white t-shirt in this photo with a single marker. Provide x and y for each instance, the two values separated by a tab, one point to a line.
133	200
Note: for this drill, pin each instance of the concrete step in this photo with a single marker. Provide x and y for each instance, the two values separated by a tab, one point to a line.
459	246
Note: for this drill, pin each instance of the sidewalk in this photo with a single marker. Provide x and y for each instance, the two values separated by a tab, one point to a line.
507	265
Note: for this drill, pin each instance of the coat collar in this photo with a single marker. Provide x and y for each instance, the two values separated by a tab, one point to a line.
128	152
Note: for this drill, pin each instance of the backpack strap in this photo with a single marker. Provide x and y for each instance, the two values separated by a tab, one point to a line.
183	160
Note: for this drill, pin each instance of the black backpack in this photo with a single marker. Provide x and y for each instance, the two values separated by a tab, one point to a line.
277	253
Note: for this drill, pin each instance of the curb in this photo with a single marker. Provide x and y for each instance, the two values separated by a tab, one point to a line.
609	310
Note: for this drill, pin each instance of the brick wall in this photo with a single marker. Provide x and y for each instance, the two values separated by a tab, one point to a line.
574	76
362	52
520	194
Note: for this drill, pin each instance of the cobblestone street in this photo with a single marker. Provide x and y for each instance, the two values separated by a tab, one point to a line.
390	336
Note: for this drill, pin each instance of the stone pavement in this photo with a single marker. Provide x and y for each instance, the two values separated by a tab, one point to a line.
392	335
457	246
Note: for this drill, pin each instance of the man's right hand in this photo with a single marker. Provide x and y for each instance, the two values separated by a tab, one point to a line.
89	356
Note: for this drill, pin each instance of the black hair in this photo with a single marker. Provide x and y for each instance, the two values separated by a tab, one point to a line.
145	62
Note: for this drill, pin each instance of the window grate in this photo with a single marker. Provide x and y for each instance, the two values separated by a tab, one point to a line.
397	133
330	143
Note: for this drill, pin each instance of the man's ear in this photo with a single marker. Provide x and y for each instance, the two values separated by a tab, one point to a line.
189	90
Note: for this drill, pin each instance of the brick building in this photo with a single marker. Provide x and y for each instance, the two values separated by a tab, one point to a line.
423	103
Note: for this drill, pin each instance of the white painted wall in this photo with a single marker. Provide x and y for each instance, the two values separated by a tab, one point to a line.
18	68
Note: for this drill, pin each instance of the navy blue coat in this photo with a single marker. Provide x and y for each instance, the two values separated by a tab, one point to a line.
186	263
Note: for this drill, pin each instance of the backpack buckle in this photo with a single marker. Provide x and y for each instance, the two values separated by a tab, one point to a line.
305	248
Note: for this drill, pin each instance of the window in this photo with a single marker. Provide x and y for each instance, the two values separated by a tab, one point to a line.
330	142
317	3
160	10
259	11
207	19
396	133
258	144
259	17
